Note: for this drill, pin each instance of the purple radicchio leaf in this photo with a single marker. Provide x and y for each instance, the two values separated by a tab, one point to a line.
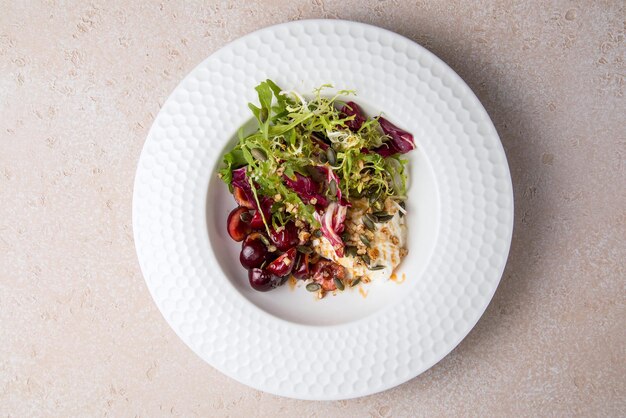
306	188
352	109
332	224
400	141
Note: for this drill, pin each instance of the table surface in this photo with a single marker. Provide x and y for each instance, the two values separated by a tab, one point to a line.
80	85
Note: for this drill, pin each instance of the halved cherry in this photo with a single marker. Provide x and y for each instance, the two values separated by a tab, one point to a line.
286	238
242	198
301	269
257	219
236	225
283	265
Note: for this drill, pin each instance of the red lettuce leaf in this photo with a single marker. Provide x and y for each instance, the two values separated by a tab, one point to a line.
306	188
400	141
240	179
332	224
352	109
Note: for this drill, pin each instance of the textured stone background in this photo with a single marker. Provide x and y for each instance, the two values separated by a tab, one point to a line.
80	84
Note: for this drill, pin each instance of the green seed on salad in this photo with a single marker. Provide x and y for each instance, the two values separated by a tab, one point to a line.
350	251
339	283
345	237
304	249
313	287
245	217
368	221
366	259
333	187
331	155
365	241
384	218
258	154
378	267
318	233
355	282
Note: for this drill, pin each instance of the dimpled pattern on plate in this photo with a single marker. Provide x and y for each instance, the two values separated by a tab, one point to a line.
396	344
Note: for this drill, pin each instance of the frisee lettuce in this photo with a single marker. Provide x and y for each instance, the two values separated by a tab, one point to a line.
292	136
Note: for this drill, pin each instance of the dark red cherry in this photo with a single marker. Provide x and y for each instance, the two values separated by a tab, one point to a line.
236	224
263	280
283	265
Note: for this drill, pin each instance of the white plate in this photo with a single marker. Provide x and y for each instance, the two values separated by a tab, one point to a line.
285	342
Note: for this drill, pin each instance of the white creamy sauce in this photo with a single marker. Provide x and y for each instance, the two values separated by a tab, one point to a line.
388	252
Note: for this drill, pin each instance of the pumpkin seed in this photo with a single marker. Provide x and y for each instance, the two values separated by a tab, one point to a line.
245	217
366	259
378	267
258	154
384	218
369	222
323	158
318	233
338	283
365	241
355	282
345	237
333	187
350	251
313	287
304	249
331	155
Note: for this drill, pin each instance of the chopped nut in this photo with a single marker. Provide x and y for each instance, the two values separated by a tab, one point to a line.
395	240
374	253
278	197
299	223
362	250
403	252
313	201
304	236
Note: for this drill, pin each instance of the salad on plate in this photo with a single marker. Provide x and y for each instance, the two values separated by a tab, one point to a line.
320	191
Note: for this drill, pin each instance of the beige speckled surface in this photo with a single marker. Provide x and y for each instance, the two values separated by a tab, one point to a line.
79	87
